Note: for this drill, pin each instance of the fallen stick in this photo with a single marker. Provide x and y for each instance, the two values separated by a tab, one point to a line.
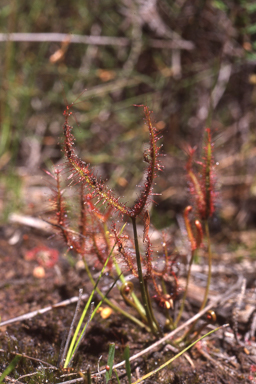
29	315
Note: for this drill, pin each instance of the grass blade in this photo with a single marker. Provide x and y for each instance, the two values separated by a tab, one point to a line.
10	368
89	378
118	381
89	320
127	363
111	355
76	339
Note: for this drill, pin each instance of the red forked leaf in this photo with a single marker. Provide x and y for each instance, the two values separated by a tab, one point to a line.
81	172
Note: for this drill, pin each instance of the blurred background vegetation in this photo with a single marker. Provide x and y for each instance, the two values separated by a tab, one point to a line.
193	62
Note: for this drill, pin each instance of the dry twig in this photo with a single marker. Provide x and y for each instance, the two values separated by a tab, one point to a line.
29	315
93	40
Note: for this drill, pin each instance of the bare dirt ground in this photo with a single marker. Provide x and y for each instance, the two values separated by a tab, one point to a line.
227	356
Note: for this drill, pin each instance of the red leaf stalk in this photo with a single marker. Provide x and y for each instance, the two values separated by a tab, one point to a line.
126	255
146	225
199	233
83	219
61	212
83	173
195	242
152	169
148	258
201	184
100	216
208	176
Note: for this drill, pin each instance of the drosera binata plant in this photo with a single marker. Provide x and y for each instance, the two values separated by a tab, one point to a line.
86	241
98	194
96	234
82	173
201	186
195	240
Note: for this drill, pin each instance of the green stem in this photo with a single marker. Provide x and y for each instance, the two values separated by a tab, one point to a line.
186	290
143	286
169	321
209	265
155	323
113	306
137	303
75	339
190	330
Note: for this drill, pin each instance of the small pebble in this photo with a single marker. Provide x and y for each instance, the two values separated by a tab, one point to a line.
105	312
39	272
80	265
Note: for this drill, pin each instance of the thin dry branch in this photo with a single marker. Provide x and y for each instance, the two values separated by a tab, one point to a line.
9	379
30	221
29	315
50	366
93	40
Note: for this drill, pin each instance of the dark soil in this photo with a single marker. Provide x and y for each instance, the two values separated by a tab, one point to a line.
216	359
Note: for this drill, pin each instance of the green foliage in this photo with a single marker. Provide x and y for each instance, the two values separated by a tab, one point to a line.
250	7
10	368
11	189
80	332
110	363
127	363
220	5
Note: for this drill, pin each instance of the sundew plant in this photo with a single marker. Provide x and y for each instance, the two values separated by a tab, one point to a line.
100	206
